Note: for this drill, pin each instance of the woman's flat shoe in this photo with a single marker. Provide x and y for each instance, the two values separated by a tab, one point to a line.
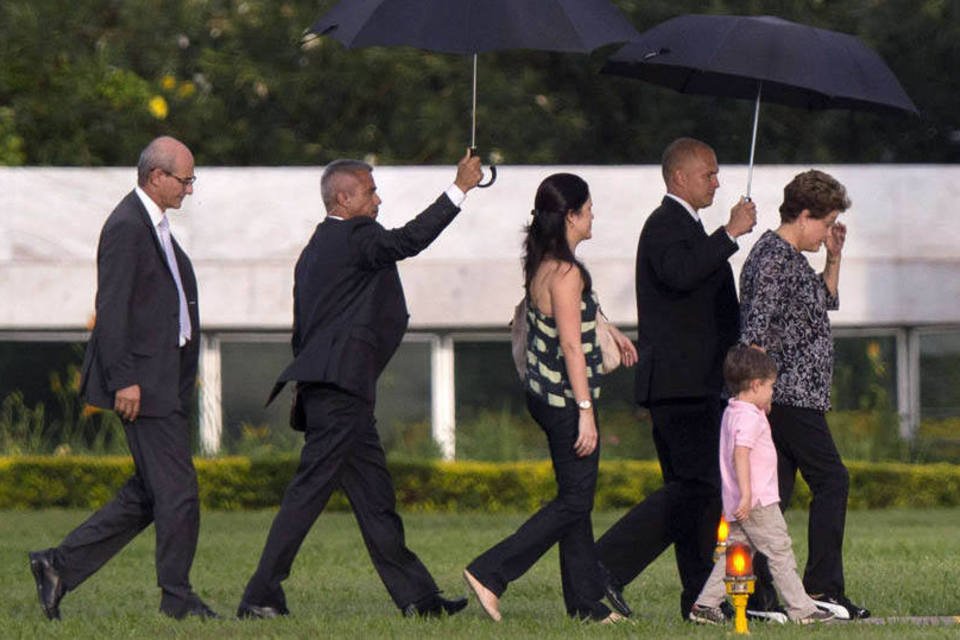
487	599
613	618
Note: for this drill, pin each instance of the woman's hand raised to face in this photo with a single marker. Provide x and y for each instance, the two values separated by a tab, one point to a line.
835	239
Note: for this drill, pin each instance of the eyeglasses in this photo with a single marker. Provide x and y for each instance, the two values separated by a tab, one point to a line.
184	181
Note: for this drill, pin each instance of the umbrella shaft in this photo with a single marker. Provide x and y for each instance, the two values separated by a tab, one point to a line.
753	139
473	125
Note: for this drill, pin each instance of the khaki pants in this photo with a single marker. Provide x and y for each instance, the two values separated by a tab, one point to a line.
766	532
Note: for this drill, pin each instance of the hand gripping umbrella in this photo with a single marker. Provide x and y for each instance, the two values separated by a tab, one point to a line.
474	26
750	57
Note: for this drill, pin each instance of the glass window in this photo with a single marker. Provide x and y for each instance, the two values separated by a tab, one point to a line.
28	367
40	407
249	370
403	403
938	434
865	422
493	422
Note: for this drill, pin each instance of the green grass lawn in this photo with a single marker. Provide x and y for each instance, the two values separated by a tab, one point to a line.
898	563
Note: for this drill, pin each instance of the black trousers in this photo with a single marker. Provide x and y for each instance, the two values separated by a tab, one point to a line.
564	520
341	449
685	511
804	443
162	490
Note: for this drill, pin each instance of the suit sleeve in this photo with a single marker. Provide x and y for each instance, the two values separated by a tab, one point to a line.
727	314
682	261
116	277
379	247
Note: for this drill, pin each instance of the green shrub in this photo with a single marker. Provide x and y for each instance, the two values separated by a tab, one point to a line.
243	483
938	440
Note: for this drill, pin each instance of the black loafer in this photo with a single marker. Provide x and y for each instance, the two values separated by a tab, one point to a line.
247	611
194	608
434	607
614	592
200	609
50	587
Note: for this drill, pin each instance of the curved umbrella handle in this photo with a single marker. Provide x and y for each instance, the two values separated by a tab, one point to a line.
493	178
493	172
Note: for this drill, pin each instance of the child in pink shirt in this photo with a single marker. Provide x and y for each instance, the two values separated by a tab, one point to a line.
751	498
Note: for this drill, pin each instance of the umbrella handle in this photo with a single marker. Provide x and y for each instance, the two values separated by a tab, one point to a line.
493	178
493	172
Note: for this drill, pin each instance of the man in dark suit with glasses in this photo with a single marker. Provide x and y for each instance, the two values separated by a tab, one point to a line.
141	362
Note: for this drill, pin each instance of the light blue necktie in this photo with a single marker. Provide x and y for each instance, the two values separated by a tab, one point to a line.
164	230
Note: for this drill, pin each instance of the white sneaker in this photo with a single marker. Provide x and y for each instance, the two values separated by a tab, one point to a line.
839	611
774	615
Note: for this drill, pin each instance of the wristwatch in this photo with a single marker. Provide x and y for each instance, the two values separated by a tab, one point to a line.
585	404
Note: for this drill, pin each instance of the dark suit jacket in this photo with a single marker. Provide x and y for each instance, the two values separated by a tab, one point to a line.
135	338
349	310
686	306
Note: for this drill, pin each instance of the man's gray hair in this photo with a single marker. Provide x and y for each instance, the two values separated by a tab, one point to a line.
159	154
329	185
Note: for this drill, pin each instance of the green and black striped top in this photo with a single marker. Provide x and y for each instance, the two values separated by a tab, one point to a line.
546	375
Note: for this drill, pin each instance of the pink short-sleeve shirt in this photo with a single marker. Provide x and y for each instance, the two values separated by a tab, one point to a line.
745	425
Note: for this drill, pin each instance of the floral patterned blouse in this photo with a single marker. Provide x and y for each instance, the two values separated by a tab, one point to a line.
783	308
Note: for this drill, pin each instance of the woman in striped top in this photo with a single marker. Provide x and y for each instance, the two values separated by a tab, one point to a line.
562	384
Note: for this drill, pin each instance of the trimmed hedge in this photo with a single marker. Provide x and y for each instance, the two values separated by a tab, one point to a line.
241	483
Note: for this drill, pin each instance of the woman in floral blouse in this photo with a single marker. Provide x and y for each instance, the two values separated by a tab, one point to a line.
783	309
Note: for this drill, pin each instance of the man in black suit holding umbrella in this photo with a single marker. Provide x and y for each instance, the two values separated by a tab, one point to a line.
349	318
688	319
141	362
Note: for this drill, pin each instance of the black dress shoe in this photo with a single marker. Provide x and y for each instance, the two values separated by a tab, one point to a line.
199	609
614	592
50	587
194	608
247	611
615	598
434	607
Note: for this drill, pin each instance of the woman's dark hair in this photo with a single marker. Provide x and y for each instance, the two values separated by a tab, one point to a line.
745	364
557	195
817	192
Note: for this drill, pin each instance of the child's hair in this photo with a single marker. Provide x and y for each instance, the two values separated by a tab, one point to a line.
745	364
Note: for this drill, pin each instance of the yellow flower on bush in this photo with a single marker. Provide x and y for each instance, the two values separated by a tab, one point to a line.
90	410
168	82
186	89
158	108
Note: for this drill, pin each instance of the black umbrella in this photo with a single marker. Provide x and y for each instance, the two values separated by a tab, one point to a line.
752	56
475	26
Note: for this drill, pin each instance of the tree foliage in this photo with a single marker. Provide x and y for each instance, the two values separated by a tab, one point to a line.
89	82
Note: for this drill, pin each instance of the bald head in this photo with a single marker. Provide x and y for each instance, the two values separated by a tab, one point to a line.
690	171
162	153
679	152
165	172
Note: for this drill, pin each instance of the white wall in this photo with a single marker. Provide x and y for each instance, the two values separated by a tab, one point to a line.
244	228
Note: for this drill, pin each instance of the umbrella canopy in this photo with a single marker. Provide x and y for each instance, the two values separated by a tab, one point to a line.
752	56
475	26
